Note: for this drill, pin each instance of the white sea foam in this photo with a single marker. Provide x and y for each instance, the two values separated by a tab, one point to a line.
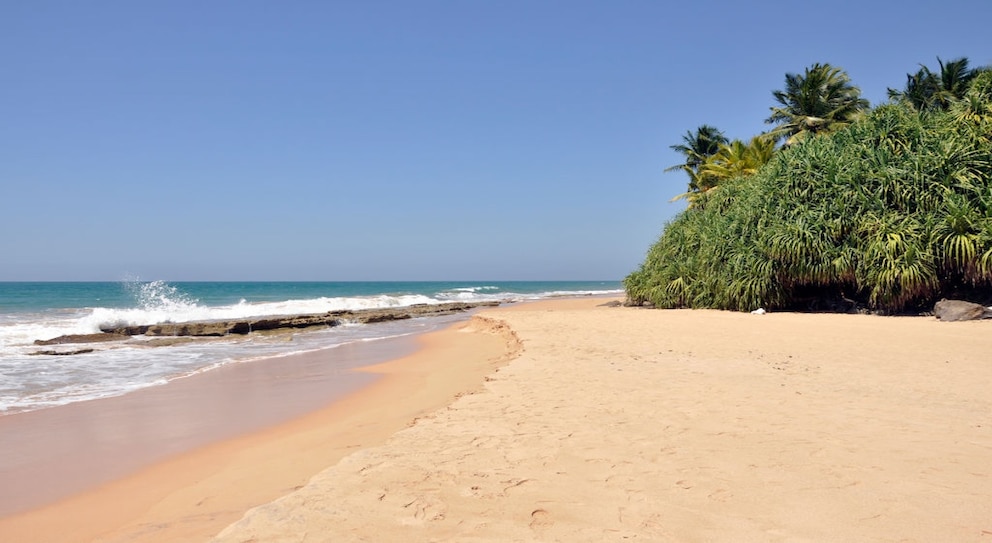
19	334
474	289
34	382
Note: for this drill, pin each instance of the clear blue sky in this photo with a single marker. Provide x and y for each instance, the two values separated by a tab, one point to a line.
394	140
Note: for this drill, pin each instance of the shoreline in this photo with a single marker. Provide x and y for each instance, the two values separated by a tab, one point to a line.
109	438
380	398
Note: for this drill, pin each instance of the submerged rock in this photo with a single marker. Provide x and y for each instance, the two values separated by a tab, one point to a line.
82	338
53	352
959	310
215	328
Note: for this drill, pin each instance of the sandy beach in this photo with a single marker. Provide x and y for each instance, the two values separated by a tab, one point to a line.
192	494
567	420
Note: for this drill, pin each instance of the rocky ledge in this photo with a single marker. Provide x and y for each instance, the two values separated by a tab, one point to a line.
216	328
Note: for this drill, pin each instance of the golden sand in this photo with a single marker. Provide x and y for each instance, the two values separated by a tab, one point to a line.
570	421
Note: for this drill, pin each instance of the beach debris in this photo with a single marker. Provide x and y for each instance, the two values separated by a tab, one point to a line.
960	310
759	311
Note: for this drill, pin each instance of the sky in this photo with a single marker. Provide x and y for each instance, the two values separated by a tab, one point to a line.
397	140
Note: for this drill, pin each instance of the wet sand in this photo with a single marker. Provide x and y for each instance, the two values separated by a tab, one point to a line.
53	453
181	461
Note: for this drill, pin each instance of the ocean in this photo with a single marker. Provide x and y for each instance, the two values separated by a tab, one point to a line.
44	310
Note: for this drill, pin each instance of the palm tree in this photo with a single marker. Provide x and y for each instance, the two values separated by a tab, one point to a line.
820	100
697	147
926	90
731	160
919	90
736	159
955	77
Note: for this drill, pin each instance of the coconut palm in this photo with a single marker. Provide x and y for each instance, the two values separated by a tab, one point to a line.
818	101
696	148
919	90
736	159
927	91
730	161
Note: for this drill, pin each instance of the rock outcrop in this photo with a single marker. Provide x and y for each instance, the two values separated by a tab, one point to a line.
215	328
82	338
55	352
959	310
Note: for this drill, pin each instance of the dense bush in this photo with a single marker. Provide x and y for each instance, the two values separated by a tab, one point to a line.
890	213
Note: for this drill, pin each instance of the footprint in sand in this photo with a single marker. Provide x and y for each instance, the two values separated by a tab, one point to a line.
541	520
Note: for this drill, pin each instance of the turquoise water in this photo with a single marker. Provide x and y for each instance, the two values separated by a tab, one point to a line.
32	311
25	297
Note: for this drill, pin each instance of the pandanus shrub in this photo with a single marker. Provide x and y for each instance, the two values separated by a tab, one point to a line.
888	214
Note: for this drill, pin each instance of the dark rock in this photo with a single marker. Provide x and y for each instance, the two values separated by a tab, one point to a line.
62	353
200	329
258	324
164	341
125	329
959	310
82	338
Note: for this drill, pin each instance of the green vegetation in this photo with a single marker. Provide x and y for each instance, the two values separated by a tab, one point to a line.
927	91
887	209
820	101
697	148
